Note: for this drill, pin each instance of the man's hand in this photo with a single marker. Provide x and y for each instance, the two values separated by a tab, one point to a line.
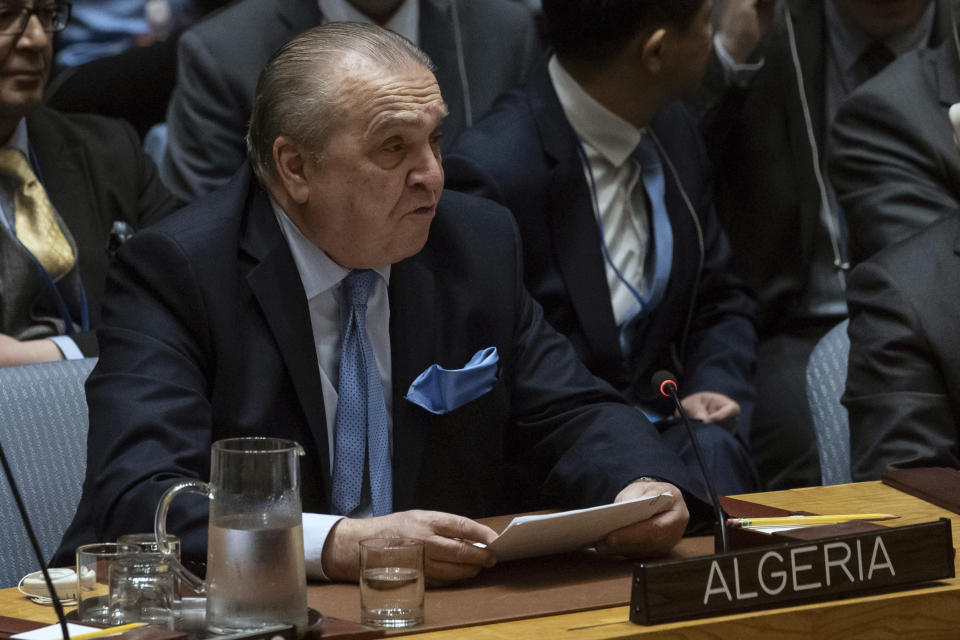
15	352
449	554
654	536
707	406
742	24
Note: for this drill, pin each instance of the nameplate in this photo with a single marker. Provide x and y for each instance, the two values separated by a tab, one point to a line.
791	573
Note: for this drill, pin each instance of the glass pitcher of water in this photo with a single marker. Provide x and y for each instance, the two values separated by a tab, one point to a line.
255	565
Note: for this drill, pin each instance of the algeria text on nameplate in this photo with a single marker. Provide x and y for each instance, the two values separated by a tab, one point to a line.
791	573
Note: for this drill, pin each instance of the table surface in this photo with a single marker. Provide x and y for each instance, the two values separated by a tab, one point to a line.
928	612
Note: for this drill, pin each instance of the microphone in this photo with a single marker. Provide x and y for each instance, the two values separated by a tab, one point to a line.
664	382
33	542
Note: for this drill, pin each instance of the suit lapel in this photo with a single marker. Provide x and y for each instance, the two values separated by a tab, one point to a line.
412	346
809	27
275	283
63	172
573	228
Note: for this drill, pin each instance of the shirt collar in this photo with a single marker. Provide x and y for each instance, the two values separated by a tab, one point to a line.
405	20
849	43
318	272
18	139
612	136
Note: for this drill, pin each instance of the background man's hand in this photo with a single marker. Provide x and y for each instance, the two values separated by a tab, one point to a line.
15	352
707	406
656	535
449	554
742	24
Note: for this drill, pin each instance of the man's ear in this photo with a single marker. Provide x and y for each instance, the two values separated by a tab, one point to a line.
652	49
291	164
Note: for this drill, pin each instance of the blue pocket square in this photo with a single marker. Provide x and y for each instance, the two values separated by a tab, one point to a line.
440	390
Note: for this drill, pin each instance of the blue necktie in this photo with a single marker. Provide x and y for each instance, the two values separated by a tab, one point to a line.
660	252
362	440
661	231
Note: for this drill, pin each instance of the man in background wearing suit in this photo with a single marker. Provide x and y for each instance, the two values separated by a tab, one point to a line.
70	187
893	160
227	320
606	175
481	48
903	380
766	130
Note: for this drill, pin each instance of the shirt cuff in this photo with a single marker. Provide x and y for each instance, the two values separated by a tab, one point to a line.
67	347
734	73
316	528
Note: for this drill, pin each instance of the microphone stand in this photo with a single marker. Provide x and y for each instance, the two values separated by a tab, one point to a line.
33	541
669	388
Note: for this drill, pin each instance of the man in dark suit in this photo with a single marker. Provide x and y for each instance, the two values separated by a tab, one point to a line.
903	382
481	48
893	160
226	320
558	154
69	187
766	130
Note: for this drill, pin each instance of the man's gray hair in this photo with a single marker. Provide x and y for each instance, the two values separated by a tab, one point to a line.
298	93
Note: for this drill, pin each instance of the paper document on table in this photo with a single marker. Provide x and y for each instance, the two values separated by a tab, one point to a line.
529	536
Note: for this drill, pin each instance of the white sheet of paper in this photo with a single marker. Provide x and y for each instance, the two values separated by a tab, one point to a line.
530	536
53	632
774	528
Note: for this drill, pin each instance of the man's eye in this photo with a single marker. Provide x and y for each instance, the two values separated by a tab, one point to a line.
8	16
393	145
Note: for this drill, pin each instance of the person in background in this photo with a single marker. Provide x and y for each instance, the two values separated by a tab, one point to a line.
606	175
72	188
893	160
481	49
767	112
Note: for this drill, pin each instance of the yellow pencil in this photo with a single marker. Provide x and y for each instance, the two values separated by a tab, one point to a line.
109	631
806	520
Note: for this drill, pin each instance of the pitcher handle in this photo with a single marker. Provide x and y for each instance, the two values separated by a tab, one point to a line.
160	529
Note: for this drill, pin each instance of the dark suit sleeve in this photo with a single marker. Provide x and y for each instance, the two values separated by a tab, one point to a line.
720	352
899	410
150	421
205	123
887	170
582	437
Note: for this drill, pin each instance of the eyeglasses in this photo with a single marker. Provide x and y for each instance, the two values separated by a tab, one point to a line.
52	17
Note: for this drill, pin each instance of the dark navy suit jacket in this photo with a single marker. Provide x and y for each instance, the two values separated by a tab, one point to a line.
524	155
207	335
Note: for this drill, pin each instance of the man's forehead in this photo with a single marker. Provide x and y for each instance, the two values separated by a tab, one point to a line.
405	98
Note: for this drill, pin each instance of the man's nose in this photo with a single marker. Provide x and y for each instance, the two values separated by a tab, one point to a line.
33	34
427	171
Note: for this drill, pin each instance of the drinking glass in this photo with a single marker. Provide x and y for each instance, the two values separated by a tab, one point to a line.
94	564
391	582
141	590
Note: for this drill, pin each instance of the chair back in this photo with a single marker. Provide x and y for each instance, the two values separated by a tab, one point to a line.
826	380
43	429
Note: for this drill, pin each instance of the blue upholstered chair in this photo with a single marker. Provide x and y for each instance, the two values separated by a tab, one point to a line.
826	379
43	429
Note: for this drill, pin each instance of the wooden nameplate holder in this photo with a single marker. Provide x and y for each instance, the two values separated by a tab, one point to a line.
807	565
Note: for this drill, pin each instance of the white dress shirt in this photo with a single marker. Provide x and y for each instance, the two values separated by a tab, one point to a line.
321	278
608	141
8	188
405	20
